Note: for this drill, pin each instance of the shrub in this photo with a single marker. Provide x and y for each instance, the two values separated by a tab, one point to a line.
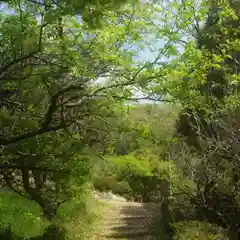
80	217
111	183
21	217
53	232
195	230
104	183
139	176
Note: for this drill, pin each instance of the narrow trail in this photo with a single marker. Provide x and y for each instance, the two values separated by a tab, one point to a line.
129	220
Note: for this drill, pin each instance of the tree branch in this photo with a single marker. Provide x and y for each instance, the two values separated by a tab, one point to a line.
40	131
23	58
53	105
14	166
18	60
143	98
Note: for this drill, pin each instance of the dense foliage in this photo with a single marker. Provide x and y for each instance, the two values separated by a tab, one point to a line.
70	72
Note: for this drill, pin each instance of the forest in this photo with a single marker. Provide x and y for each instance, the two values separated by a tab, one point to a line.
139	98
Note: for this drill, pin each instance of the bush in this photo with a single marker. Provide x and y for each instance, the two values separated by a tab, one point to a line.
111	183
123	188
195	230
53	232
80	217
70	210
21	217
104	183
139	176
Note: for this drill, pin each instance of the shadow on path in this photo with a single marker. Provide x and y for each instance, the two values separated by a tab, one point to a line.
136	221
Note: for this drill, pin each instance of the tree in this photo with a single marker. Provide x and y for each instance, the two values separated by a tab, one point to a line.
90	11
210	121
218	43
59	78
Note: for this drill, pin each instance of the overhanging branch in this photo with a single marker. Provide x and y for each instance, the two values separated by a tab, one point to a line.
40	131
44	169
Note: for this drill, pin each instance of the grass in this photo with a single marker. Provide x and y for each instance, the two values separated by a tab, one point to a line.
21	216
86	222
79	218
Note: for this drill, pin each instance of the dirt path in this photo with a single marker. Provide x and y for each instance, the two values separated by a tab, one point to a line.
129	220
